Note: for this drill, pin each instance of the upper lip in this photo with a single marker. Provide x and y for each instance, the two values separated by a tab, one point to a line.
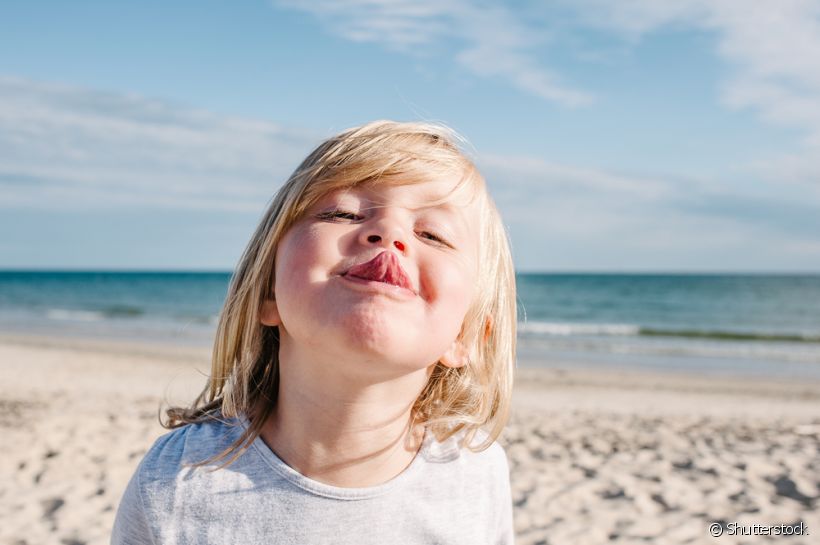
392	270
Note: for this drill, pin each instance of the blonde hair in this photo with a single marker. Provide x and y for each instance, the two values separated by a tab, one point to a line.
244	377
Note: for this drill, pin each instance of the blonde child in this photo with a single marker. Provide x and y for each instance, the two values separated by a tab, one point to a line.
362	365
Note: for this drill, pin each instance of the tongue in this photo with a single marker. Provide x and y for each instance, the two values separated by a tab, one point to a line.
382	268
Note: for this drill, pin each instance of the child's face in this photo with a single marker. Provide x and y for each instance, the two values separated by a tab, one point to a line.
385	328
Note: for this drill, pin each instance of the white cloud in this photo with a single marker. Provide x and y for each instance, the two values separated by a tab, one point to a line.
524	173
772	50
492	41
62	146
66	148
572	218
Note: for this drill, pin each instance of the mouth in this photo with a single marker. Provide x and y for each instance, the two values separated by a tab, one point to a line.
384	268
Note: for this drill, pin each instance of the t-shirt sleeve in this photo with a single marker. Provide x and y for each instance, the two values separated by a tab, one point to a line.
131	523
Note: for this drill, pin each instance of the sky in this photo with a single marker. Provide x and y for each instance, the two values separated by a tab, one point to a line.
629	136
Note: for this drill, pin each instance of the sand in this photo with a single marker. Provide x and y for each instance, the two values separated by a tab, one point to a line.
595	457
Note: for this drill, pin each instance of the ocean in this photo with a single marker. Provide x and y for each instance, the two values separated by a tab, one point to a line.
746	324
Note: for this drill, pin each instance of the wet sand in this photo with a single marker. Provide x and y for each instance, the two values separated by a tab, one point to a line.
596	456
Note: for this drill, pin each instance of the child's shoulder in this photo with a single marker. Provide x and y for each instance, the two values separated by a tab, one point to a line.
456	449
188	445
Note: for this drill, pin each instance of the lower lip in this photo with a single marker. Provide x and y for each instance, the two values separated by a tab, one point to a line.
364	284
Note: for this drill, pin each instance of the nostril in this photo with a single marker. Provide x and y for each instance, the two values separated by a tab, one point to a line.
377	238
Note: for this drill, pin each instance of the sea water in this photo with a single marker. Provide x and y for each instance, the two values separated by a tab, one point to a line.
746	324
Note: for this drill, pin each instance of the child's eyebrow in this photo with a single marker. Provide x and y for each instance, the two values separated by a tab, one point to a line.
374	203
452	211
445	207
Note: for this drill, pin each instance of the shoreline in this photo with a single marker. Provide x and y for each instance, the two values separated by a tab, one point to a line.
529	362
567	385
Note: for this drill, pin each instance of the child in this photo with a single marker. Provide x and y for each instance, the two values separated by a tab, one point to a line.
367	337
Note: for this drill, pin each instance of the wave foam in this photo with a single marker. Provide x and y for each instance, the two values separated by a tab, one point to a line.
568	329
74	315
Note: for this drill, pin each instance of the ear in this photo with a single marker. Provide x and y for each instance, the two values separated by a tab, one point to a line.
456	356
269	313
488	328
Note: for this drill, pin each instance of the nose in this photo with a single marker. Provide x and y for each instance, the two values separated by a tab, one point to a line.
385	232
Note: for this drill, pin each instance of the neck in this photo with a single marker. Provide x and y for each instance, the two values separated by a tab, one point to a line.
334	427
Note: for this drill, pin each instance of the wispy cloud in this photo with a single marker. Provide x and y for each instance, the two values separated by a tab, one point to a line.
490	40
773	53
63	146
70	148
772	50
568	216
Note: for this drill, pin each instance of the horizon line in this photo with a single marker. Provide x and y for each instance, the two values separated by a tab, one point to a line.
524	272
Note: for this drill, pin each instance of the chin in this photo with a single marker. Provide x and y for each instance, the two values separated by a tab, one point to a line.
390	348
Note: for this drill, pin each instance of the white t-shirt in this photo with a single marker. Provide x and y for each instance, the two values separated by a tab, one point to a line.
446	495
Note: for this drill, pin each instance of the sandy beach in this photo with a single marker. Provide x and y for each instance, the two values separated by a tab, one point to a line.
595	457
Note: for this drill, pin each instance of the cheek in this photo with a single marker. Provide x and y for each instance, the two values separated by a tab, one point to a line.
295	257
449	288
298	252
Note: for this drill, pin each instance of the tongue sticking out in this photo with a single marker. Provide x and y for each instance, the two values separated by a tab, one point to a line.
384	267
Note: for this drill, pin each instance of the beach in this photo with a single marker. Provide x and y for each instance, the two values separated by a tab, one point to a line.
596	455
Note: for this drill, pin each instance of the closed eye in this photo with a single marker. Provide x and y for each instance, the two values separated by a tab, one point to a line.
335	215
435	238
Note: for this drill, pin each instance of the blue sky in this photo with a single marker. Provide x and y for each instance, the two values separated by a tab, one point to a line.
639	135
